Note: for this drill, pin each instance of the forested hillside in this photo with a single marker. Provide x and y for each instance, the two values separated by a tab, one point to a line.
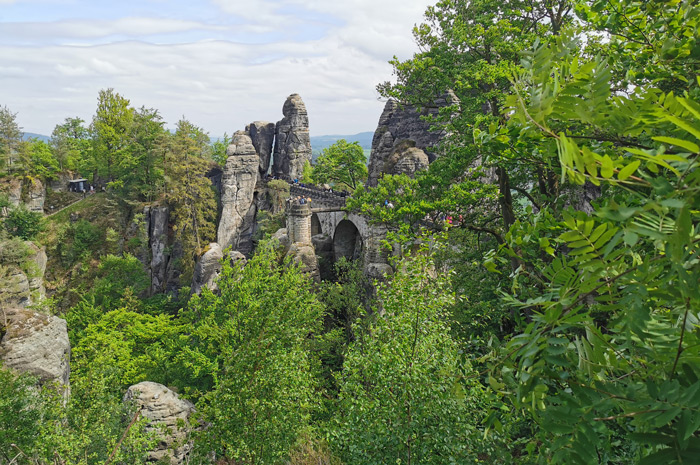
542	303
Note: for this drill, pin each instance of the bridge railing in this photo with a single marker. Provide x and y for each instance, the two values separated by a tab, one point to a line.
319	196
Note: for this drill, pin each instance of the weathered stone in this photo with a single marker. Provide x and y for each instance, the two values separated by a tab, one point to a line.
406	160
238	194
12	187
36	280
282	239
305	256
262	134
22	289
36	195
235	256
292	142
157	218
36	344
14	288
399	124
207	269
163	409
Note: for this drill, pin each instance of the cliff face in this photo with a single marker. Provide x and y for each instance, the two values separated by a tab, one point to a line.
403	142
238	194
292	142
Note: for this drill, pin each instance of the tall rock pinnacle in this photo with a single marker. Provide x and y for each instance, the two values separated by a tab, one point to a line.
292	142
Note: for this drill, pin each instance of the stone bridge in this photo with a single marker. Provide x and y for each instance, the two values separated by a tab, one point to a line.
334	232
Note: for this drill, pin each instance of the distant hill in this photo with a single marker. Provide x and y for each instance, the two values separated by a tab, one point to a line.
32	135
318	143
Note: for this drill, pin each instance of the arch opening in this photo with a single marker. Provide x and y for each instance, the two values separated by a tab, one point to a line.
315	225
347	241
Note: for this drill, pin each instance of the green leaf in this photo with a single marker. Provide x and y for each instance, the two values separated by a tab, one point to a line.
628	170
692	147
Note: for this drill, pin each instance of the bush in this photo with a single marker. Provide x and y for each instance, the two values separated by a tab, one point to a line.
23	223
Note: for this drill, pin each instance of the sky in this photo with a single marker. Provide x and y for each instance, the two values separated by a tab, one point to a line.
220	63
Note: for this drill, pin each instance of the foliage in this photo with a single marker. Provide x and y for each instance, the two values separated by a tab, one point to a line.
115	276
612	338
403	396
20	414
70	144
248	351
218	149
10	139
342	164
23	223
190	193
110	133
38	160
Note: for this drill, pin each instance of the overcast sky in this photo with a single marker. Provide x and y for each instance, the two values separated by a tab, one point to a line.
220	63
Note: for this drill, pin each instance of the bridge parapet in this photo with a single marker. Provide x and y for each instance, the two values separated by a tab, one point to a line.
318	197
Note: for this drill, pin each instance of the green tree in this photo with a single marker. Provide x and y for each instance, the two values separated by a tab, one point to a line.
141	172
110	130
23	223
190	193
37	160
10	139
218	149
249	347
342	164
70	144
607	365
403	396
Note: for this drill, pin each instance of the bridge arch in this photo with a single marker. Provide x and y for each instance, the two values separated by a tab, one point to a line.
347	241
316	227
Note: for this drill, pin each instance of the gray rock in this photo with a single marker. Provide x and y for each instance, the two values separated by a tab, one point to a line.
207	269
36	344
406	160
14	288
157	218
238	194
164	409
282	239
402	124
292	142
36	196
262	134
305	256
20	289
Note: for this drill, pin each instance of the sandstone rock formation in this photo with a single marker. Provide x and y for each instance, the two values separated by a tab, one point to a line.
403	125
36	196
157	220
405	159
30	192
282	239
305	256
36	344
22	284
262	134
163	408
238	194
292	142
207	269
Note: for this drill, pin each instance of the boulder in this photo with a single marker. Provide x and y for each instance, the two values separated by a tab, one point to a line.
36	280
262	134
207	269
36	344
402	124
305	256
292	142
167	415
238	194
